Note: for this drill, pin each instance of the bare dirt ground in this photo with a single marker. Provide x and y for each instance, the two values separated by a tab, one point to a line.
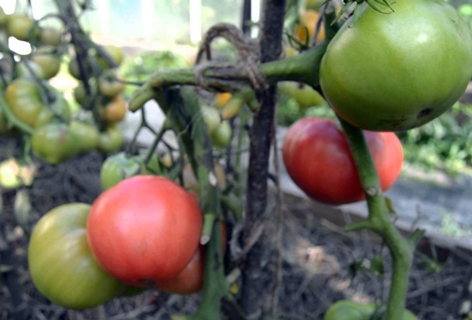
317	269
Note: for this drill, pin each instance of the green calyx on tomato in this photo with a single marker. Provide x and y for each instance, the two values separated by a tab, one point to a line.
111	140
348	310
55	143
87	134
24	99
317	156
146	243
61	264
405	68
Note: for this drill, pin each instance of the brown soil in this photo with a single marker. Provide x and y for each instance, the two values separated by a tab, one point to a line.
317	269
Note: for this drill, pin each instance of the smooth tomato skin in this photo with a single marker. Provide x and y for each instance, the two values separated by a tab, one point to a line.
144	230
49	63
60	262
348	310
318	159
393	72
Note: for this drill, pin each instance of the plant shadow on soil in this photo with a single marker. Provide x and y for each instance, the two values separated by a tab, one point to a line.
317	260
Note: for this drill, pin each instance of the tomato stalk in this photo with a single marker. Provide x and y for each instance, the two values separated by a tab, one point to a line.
380	221
183	115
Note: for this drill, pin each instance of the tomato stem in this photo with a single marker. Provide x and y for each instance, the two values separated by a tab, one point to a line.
379	221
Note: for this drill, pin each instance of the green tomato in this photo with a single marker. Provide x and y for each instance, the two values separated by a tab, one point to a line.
393	72
61	264
348	310
54	143
303	94
120	166
117	168
48	62
22	27
111	140
88	135
212	118
24	99
221	137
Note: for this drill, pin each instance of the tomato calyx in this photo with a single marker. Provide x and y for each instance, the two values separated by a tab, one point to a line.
361	5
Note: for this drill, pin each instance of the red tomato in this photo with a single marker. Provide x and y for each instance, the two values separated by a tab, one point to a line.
190	280
144	230
318	159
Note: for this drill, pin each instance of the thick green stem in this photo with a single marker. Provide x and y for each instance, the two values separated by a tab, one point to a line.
379	220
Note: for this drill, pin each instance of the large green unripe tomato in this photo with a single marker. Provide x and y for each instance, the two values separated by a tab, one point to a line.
144	230
54	143
317	156
108	84
22	27
87	134
116	53
60	262
348	310
111	140
24	99
393	72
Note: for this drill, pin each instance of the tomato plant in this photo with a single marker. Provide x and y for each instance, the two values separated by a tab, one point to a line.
418	64
348	310
60	262
317	157
144	230
54	143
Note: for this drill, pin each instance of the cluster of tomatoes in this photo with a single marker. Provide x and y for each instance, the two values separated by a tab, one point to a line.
406	78
80	256
37	109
